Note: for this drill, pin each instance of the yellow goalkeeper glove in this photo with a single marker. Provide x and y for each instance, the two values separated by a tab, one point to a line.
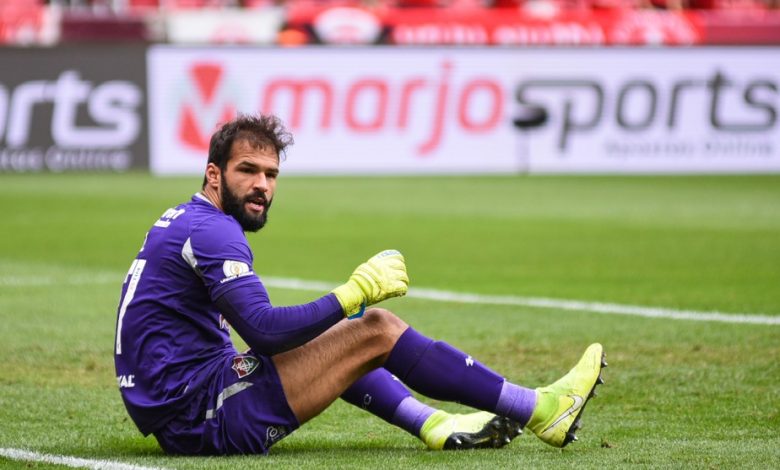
381	277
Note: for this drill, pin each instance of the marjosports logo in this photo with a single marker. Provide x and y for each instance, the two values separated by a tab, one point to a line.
431	107
90	126
208	99
497	111
746	110
375	104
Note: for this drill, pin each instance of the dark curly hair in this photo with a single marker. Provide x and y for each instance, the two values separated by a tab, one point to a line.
261	131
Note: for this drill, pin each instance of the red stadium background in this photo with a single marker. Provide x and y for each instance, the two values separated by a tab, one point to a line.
403	22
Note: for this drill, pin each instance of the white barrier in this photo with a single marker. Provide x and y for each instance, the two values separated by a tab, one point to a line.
395	110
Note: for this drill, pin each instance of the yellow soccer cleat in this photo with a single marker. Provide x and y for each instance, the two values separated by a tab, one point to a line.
445	431
559	406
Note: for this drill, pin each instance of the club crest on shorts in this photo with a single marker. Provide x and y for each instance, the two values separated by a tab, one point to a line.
244	365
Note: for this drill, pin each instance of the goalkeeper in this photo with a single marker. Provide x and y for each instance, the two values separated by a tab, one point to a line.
182	380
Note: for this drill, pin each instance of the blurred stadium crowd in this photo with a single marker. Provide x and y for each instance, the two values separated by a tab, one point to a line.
400	22
533	5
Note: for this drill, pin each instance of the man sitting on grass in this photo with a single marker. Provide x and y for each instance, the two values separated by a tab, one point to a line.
182	380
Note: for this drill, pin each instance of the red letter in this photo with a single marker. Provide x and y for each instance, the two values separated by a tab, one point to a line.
497	109
406	96
441	107
380	110
298	88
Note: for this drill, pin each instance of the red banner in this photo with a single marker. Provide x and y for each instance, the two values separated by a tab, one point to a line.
494	27
741	27
22	25
420	26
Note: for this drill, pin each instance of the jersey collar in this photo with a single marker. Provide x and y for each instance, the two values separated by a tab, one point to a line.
203	198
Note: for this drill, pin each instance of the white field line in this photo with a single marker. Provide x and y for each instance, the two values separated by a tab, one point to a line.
28	456
543	302
449	296
61	280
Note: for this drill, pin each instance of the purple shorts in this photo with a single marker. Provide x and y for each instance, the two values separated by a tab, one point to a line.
243	411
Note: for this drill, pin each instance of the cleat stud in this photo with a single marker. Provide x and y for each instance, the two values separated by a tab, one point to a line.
600	380
574	438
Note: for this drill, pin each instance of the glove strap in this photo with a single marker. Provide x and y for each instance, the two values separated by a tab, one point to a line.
359	313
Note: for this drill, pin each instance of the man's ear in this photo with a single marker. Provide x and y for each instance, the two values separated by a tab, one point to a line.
213	176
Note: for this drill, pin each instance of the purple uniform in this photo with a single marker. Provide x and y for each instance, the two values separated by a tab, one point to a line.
178	372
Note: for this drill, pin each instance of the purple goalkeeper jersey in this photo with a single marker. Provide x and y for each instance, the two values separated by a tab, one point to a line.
171	337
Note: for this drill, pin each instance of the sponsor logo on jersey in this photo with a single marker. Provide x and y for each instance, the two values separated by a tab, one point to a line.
244	365
126	381
168	216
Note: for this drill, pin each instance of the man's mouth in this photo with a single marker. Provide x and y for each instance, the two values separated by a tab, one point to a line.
256	204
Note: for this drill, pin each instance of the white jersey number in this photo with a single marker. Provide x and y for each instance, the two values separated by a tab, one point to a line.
132	279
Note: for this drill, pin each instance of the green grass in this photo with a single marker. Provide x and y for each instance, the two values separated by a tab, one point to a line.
678	393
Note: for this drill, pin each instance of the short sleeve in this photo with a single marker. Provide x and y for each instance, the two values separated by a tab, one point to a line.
218	251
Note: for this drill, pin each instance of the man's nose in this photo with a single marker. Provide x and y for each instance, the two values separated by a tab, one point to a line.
261	183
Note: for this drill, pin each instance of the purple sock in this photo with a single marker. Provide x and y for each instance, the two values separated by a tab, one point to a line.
516	402
411	415
379	393
439	371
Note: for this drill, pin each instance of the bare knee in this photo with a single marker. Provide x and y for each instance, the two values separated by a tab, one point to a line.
386	325
384	319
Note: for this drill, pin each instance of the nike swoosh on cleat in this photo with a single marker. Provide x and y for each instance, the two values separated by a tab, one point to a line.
578	402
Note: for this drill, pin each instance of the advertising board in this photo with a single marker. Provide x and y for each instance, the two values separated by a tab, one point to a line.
391	110
73	109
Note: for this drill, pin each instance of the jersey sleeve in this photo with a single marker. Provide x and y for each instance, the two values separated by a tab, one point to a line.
218	251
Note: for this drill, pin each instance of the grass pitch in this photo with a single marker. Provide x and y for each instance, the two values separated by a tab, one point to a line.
678	393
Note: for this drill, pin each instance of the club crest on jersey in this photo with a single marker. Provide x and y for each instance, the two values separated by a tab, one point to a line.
234	269
244	365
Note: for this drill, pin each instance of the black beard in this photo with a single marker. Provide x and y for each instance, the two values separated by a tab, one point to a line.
234	206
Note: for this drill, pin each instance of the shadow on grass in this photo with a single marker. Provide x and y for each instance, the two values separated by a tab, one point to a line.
112	448
117	447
